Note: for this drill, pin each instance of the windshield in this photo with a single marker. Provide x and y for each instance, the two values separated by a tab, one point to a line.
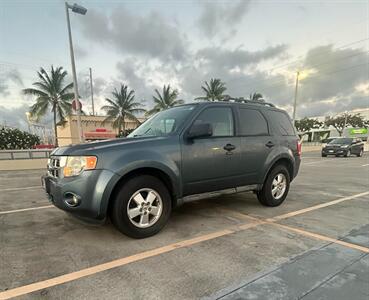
164	123
341	141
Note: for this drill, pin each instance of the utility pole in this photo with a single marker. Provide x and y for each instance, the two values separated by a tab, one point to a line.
92	93
78	107
295	101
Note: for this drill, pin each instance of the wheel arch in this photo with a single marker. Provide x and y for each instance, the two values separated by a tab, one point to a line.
153	171
284	160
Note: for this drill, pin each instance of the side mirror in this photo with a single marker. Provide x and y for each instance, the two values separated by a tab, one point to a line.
200	130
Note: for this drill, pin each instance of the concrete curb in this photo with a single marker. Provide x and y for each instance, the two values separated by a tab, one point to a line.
23	164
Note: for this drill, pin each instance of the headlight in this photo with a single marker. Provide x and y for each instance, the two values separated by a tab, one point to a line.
75	165
344	146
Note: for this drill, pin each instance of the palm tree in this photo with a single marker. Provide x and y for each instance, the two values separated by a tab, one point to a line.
51	93
165	100
214	90
122	106
256	97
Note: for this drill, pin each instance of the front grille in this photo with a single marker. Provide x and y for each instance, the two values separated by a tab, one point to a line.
53	167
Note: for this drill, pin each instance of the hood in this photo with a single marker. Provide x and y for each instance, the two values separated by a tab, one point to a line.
337	145
89	148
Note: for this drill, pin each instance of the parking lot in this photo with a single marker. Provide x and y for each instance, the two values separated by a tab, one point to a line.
314	246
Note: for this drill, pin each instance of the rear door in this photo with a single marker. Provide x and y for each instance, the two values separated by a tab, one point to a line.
256	143
356	146
207	165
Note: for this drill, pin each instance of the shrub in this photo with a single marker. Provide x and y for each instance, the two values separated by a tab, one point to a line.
12	138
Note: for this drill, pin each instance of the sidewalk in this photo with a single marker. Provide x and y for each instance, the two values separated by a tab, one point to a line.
328	272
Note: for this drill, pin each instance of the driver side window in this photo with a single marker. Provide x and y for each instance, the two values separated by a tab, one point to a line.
220	118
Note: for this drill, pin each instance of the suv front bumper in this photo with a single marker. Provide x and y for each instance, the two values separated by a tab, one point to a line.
93	187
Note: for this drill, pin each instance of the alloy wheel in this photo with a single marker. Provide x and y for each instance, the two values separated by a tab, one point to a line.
144	208
279	185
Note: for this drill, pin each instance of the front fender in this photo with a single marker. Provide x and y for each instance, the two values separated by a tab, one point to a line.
137	159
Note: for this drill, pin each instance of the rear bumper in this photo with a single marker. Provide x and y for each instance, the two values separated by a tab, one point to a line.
92	187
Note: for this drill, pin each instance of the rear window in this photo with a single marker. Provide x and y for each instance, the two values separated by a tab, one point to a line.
252	122
281	122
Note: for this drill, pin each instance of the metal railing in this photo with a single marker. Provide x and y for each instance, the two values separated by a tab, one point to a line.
25	154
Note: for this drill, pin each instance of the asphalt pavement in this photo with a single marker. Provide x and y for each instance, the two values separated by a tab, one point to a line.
314	246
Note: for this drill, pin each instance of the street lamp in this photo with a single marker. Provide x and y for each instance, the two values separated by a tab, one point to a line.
82	11
295	100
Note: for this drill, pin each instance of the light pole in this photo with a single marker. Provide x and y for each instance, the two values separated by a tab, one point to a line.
295	101
79	10
92	93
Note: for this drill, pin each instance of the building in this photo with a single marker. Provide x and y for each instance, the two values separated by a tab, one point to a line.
93	129
316	135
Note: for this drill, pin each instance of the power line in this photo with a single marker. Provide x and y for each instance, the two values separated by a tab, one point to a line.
324	63
320	54
278	83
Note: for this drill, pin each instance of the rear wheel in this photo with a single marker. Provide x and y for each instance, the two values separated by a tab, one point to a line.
360	153
324	155
141	207
276	187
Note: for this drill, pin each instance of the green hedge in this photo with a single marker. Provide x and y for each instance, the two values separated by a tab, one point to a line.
16	139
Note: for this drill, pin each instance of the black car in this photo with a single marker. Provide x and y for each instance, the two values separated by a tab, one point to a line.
344	146
182	154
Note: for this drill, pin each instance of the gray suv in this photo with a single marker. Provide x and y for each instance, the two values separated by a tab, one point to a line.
185	153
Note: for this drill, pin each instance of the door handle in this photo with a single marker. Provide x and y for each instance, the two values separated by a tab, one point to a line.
229	147
270	144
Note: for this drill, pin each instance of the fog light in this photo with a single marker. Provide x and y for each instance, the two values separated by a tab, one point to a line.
72	200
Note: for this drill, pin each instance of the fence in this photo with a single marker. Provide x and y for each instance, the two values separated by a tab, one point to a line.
24	154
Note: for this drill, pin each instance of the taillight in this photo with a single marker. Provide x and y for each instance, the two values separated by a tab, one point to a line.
299	148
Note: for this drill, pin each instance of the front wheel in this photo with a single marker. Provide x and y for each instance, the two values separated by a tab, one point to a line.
275	188
141	207
348	153
360	153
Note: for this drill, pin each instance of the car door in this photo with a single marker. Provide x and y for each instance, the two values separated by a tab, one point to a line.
256	143
356	146
212	163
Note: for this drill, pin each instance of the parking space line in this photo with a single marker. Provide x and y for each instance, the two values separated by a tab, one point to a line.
25	209
315	207
298	230
365	165
320	237
33	287
21	188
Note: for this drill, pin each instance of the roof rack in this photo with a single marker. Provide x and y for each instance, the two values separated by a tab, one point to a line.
243	100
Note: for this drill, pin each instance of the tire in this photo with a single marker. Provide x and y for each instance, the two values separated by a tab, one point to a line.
265	195
348	153
324	155
360	153
139	226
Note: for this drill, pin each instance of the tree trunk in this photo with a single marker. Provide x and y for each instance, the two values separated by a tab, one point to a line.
55	129
124	127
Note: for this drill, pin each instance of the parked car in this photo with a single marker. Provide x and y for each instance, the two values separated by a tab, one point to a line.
327	141
182	154
344	146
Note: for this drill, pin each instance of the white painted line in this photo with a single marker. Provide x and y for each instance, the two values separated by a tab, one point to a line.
25	209
365	165
315	207
21	188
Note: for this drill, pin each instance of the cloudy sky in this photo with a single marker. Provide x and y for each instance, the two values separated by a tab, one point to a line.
253	46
